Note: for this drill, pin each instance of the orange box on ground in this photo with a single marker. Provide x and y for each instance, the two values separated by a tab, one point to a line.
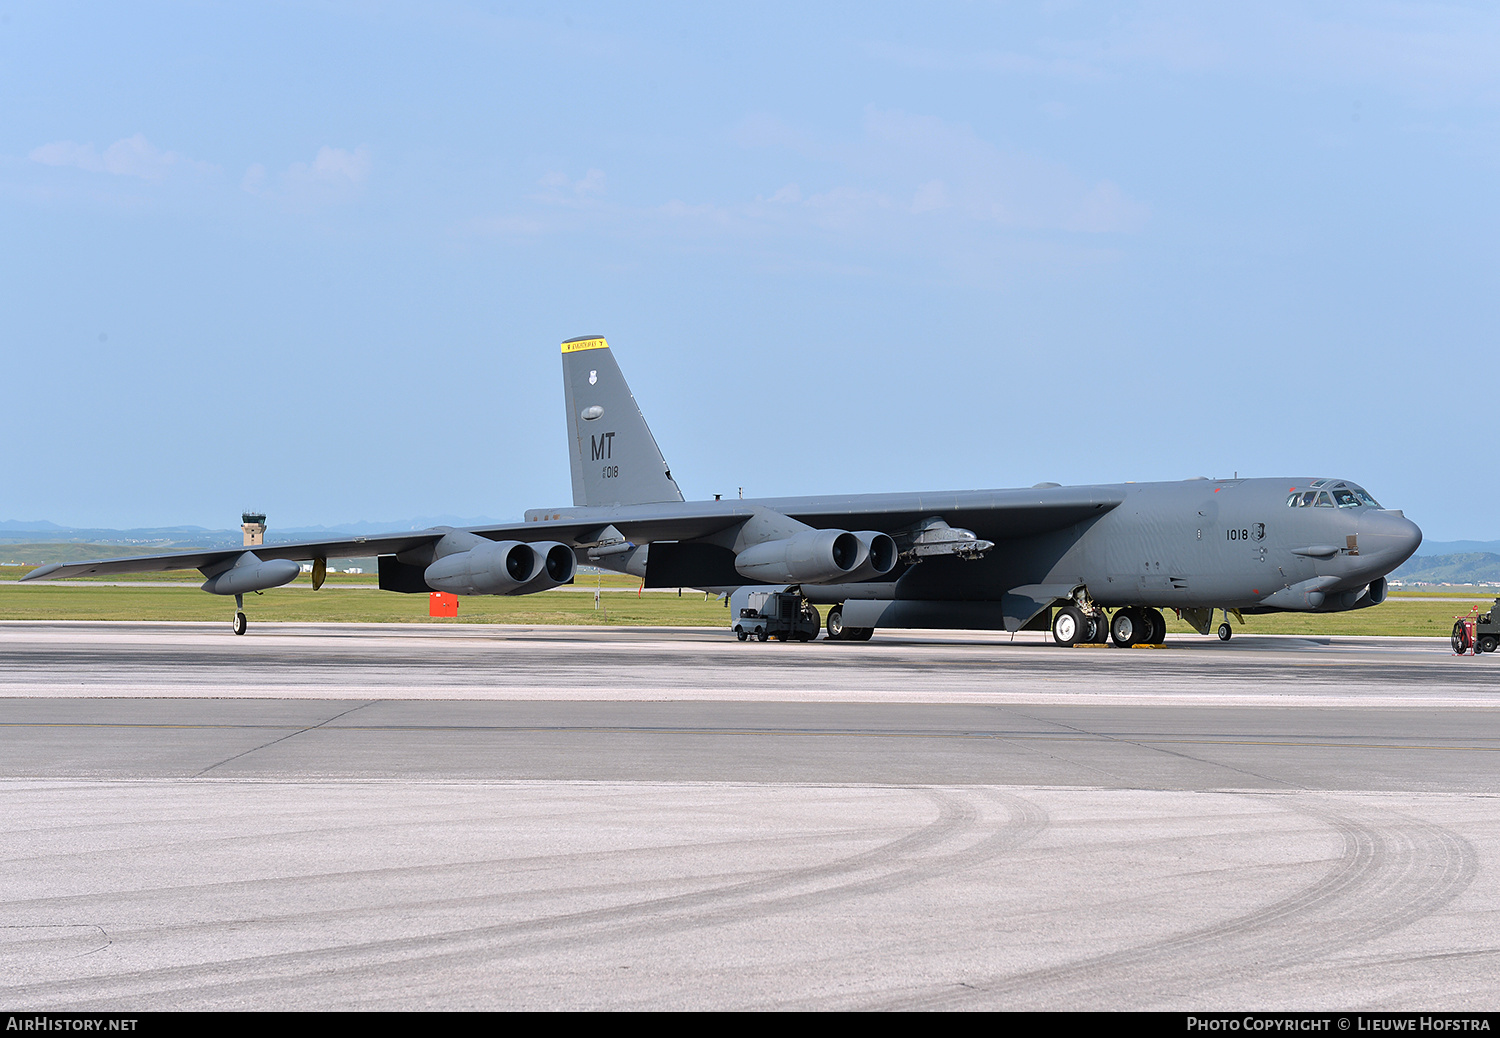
440	603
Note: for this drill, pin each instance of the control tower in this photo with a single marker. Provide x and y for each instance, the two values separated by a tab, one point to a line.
254	525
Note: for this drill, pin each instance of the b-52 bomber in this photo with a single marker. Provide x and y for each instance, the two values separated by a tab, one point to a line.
1090	562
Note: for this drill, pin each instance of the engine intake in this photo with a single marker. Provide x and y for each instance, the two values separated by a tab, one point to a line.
559	564
503	568
878	555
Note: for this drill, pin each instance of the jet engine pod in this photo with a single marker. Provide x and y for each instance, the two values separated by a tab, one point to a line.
878	555
559	563
813	557
250	574
493	568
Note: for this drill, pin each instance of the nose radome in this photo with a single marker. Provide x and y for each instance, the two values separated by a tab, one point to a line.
1390	538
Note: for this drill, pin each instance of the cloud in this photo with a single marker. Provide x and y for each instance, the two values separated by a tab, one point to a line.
334	175
129	157
933	59
560	189
950	172
333	167
901	183
930	197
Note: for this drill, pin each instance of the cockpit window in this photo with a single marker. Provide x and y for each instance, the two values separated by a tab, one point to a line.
1344	495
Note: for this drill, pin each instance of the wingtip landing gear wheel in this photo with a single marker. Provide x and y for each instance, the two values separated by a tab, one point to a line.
1068	626
240	622
1225	631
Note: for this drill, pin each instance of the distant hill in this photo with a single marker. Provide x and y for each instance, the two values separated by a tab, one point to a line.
1467	567
1459	547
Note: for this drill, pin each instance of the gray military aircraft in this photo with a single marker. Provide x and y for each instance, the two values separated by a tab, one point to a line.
1089	562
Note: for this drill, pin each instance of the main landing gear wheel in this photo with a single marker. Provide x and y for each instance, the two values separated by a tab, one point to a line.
1158	626
240	622
1069	626
1125	628
836	624
1098	628
1225	631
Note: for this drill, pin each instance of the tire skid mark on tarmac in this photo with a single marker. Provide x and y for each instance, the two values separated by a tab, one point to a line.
1156	746
1387	875
906	860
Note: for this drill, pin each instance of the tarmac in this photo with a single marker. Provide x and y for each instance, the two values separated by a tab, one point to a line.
498	817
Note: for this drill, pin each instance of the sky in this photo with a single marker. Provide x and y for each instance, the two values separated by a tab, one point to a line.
316	258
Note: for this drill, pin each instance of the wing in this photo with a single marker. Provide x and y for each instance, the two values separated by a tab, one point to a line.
350	547
995	515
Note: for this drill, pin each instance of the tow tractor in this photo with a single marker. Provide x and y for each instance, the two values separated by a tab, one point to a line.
783	615
1477	633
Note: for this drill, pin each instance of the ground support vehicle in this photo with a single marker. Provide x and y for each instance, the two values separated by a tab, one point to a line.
783	615
1479	633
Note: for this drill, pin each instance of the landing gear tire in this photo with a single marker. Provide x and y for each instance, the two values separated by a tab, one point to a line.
1069	626
1489	643
1098	628
836	632
861	634
240	622
1158	626
1125	629
1225	631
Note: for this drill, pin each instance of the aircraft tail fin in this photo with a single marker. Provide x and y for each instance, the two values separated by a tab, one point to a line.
614	457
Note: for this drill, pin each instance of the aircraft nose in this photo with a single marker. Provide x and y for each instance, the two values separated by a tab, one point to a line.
1387	538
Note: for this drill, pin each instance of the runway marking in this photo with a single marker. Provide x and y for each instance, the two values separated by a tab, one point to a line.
1144	741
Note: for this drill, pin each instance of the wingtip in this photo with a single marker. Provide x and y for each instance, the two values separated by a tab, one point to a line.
42	571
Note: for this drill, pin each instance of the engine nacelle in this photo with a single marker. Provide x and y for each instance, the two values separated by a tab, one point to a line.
491	568
814	557
250	574
877	556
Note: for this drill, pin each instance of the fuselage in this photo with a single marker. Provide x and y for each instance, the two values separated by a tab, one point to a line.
1239	544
